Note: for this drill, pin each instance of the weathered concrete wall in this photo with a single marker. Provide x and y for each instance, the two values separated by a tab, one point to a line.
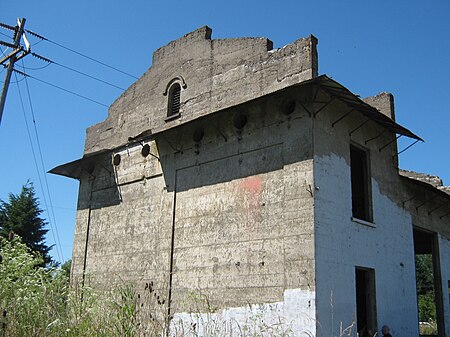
238	202
218	74
129	235
426	206
243	216
342	243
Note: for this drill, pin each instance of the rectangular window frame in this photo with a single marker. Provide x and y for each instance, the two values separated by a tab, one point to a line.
362	212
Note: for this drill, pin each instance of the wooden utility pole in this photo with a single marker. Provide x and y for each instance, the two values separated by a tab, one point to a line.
12	57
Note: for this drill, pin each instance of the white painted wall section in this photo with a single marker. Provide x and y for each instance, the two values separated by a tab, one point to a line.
342	244
295	317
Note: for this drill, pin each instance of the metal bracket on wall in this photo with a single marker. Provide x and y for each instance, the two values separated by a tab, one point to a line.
306	109
436	208
342	117
406	148
358	127
377	136
408	200
116	179
385	146
146	150
324	106
431	199
443	216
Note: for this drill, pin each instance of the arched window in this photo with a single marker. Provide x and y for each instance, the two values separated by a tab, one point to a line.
173	93
173	107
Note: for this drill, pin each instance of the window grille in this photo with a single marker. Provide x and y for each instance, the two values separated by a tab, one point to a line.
174	100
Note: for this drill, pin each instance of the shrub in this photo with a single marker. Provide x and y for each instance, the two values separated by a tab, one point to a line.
31	297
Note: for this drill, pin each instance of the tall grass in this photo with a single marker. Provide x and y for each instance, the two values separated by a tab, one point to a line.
39	302
35	301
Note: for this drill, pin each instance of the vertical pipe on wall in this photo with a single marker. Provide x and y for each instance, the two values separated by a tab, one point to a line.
172	247
87	233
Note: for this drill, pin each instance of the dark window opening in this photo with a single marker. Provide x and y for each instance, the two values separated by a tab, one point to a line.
366	310
428	282
361	208
173	108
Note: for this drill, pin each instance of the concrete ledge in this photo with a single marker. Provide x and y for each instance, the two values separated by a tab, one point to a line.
364	222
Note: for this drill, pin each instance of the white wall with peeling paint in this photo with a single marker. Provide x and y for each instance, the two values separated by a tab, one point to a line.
341	244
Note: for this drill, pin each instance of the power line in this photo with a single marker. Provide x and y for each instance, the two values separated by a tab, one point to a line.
36	43
35	68
3	52
9	37
66	208
74	70
13	82
50	62
43	166
80	54
61	88
35	162
87	75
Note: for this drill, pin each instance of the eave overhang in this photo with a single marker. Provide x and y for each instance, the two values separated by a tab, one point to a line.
429	187
338	91
75	169
333	89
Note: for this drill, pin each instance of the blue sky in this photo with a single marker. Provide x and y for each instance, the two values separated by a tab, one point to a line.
402	47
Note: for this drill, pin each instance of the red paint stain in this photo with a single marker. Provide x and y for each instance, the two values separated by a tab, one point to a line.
252	185
250	189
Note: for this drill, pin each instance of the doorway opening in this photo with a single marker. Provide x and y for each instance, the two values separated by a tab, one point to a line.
428	283
366	309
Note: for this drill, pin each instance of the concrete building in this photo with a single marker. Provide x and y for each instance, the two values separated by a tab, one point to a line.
233	170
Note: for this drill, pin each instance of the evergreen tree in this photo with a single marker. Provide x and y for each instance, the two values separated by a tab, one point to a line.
21	216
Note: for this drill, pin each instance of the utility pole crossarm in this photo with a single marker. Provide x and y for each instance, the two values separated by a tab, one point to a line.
7	57
12	57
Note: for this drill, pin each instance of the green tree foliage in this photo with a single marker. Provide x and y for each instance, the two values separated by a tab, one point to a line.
427	308
21	215
425	288
424	273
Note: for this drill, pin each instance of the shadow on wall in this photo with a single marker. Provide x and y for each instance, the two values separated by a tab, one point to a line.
254	138
98	186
